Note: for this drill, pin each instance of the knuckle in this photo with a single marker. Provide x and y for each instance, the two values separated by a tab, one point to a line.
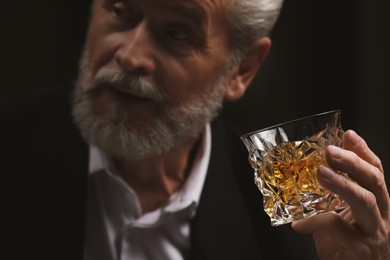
379	181
378	164
369	200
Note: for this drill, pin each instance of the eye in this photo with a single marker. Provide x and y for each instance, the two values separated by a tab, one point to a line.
180	36
178	31
177	34
123	10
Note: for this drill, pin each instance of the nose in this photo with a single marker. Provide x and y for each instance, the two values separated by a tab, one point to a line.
136	51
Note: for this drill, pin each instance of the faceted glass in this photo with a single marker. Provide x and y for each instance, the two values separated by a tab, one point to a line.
285	158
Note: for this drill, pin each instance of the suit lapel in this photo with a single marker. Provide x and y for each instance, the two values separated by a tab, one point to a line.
222	229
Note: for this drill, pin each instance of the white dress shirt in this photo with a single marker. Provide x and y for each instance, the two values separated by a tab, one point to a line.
116	229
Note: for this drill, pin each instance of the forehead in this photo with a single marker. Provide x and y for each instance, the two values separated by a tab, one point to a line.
201	11
215	6
207	4
197	10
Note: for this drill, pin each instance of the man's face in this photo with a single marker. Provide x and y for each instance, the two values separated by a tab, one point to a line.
152	73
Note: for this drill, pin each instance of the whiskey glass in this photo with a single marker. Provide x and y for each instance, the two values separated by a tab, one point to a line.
285	158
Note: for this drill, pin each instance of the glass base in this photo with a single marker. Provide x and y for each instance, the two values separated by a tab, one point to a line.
310	205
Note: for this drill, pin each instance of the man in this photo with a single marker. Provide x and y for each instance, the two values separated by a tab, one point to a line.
158	177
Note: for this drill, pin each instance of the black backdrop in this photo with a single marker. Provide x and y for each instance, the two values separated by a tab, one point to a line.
325	55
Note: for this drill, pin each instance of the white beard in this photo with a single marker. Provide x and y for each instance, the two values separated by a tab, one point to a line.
174	124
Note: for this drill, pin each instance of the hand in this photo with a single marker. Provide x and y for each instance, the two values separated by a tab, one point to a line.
361	231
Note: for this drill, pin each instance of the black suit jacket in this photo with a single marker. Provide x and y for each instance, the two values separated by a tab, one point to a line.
44	175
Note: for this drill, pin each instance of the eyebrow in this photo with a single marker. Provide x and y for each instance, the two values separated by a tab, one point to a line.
196	15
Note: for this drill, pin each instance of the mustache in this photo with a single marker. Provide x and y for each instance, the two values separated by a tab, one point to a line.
135	84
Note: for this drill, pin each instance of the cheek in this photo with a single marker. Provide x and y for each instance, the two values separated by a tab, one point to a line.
183	80
101	48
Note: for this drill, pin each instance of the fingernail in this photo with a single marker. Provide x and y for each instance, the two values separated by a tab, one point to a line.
325	172
352	136
334	151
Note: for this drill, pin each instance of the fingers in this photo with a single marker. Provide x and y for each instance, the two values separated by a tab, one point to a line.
353	142
363	166
332	235
347	215
362	230
361	171
362	202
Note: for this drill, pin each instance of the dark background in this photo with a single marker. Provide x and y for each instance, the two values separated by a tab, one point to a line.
325	55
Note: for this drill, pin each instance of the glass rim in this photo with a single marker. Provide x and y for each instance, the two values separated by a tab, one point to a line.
244	136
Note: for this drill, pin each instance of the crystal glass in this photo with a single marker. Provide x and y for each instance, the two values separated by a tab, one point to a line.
285	158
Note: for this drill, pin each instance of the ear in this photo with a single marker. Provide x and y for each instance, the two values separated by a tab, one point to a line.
245	71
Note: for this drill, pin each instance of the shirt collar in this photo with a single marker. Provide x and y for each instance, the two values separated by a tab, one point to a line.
191	190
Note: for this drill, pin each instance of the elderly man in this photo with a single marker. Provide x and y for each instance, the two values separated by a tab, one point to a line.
147	171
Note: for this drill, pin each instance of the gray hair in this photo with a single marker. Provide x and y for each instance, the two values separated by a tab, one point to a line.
251	20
